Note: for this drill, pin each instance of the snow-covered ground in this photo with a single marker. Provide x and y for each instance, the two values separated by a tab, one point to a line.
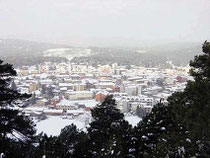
68	53
88	103
53	124
133	120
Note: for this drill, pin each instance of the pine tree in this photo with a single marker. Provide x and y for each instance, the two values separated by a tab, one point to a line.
44	89
8	96
49	92
160	82
160	135
16	130
48	146
70	143
182	128
13	86
109	132
192	106
33	99
69	137
140	112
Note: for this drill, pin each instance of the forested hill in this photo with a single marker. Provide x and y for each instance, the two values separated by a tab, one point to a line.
28	52
179	53
120	56
148	55
10	47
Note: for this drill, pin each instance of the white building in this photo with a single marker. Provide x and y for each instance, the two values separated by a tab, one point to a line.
65	104
79	95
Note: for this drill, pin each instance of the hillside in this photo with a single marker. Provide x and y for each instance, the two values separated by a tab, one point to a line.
150	55
28	52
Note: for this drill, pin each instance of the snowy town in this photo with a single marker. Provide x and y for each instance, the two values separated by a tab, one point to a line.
69	91
105	79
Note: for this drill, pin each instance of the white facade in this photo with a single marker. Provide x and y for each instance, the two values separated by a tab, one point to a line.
79	95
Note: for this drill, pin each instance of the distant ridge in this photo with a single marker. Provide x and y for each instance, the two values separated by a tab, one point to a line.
180	53
11	47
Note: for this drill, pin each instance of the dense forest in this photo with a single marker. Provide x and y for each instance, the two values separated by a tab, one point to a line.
180	129
149	56
28	52
31	53
122	57
31	60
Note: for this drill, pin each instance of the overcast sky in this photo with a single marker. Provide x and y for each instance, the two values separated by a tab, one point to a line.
105	22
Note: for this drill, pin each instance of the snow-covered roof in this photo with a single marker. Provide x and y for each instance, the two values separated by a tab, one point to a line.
81	92
65	84
63	89
105	84
103	92
64	102
44	100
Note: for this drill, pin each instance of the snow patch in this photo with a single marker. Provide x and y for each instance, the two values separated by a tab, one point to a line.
133	120
54	124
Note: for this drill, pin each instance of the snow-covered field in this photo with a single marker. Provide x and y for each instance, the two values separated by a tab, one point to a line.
53	124
133	120
68	53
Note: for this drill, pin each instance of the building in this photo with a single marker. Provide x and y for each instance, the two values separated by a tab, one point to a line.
68	86
33	87
131	90
105	85
42	102
80	87
65	104
100	96
79	95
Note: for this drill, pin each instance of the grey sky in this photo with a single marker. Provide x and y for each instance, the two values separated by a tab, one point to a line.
105	22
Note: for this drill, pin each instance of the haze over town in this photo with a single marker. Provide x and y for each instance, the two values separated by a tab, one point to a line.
106	22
